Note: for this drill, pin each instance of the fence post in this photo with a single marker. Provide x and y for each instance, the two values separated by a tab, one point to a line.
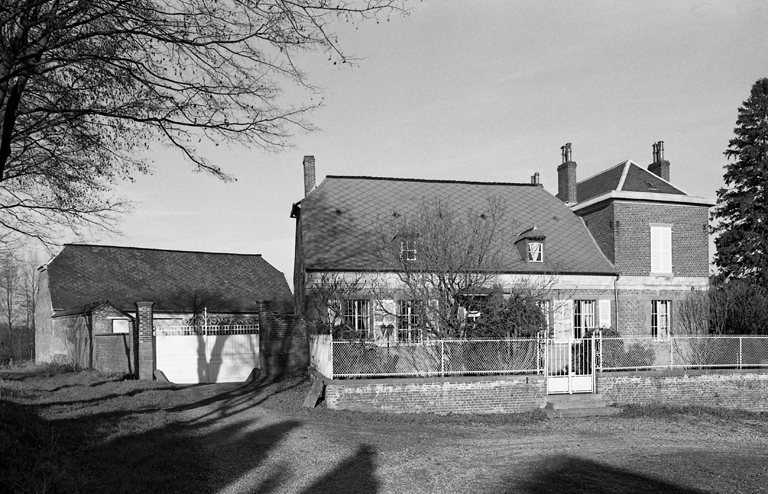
442	358
600	346
740	356
671	352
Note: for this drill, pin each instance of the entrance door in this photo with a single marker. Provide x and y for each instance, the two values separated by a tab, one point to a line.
570	365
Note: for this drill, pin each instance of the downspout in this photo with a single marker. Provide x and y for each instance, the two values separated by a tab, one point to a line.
616	301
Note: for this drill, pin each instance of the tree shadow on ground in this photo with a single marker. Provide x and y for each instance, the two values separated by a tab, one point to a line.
356	474
70	456
570	474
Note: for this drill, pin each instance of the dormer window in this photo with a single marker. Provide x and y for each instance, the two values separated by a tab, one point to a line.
535	251
530	245
408	250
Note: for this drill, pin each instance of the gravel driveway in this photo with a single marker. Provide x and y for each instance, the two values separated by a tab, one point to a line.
265	442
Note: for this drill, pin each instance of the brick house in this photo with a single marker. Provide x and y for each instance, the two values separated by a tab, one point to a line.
655	235
93	299
622	247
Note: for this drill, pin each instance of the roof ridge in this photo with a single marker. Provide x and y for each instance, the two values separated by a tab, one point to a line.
77	244
623	163
428	180
656	177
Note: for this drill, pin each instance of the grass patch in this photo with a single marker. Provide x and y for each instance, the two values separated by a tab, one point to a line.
671	411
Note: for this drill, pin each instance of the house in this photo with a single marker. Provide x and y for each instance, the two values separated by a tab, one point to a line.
619	249
93	300
655	234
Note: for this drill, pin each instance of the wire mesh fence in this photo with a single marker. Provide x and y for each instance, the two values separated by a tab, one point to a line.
689	352
436	358
350	359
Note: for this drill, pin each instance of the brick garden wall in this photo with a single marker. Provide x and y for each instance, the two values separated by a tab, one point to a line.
284	344
746	390
503	394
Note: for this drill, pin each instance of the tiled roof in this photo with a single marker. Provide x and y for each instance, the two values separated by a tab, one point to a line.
627	177
338	217
176	281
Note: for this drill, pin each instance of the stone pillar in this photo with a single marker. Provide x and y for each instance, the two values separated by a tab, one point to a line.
144	342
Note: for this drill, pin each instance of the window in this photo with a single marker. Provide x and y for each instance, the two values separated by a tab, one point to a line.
121	326
583	317
408	250
410	314
535	252
660	318
357	314
661	249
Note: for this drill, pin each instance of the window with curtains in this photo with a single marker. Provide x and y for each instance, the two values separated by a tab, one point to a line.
660	311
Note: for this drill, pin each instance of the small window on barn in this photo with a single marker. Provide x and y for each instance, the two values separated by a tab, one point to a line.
121	326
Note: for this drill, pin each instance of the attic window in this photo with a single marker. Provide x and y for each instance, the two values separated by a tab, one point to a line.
535	252
650	185
408	250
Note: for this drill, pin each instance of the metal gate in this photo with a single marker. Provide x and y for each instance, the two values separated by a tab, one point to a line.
208	350
570	365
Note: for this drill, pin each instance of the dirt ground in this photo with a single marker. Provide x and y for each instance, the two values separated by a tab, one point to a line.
257	438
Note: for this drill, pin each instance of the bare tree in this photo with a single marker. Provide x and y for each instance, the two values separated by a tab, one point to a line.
10	292
451	260
86	85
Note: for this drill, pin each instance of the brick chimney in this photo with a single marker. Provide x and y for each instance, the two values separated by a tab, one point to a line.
660	166
309	174
566	177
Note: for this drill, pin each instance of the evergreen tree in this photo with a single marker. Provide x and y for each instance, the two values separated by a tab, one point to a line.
742	205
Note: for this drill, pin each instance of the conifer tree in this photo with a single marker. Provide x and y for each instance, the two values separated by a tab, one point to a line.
742	205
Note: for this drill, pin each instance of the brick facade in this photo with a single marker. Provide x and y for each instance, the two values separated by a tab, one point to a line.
747	390
622	230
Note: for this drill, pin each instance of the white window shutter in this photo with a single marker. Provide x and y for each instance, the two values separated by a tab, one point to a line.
661	249
605	314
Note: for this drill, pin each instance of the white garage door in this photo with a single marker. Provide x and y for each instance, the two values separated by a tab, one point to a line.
207	354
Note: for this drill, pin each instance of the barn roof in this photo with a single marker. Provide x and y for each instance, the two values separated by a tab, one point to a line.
176	281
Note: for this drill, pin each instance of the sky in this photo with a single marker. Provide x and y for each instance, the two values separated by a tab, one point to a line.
481	91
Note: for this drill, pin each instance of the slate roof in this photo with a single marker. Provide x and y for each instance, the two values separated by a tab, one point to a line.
177	281
626	176
338	217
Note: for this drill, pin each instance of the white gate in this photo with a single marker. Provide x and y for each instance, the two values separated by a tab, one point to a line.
207	351
570	365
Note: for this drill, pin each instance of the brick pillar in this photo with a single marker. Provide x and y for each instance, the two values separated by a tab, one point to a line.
145	341
264	348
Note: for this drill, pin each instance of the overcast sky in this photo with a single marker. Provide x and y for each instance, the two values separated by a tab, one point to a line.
482	91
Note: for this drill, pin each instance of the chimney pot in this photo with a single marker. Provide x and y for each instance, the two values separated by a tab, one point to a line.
660	166
566	177
309	174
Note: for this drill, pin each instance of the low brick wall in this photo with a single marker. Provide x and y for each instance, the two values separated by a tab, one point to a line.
743	389
747	390
502	394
